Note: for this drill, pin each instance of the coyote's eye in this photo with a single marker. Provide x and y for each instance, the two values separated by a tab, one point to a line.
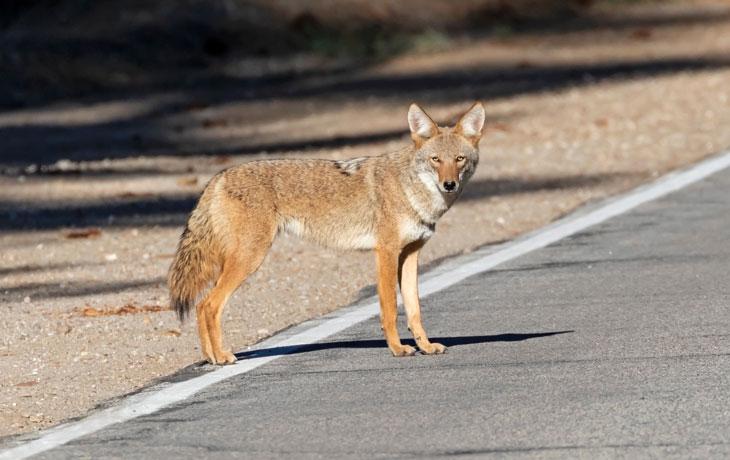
435	159
460	158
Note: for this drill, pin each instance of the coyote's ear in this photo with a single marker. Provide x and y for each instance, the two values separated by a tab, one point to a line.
470	124
422	127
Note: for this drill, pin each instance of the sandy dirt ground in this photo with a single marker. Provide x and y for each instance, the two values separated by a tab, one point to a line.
85	242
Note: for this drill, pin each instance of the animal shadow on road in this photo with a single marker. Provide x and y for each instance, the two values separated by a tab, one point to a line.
448	341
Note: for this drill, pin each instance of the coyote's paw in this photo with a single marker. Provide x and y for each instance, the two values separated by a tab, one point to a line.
432	348
403	350
222	357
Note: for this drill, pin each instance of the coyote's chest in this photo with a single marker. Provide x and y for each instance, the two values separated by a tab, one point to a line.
428	205
415	230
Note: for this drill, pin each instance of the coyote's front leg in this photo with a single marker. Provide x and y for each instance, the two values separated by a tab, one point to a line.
387	264
408	276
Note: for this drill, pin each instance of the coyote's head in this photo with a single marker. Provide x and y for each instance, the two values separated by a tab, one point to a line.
447	156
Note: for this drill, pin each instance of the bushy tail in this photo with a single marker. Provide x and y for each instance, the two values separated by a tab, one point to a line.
195	264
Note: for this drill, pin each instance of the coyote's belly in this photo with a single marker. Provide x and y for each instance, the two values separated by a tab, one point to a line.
340	235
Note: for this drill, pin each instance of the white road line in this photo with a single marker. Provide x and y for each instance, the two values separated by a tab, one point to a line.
318	329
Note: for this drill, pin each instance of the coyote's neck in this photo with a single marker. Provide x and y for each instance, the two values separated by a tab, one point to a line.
425	197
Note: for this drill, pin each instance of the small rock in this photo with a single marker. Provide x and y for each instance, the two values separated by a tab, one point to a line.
172	333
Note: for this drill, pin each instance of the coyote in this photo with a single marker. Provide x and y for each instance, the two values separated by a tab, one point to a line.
389	203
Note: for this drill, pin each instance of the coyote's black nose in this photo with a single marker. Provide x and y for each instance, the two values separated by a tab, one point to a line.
449	185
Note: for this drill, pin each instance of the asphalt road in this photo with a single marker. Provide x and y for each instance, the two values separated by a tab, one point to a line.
612	343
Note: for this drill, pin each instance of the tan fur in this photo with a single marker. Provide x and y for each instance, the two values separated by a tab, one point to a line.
389	203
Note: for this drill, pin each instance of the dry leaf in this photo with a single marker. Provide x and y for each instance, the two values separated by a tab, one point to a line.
214	123
91	232
128	309
136	195
187	181
642	34
90	311
29	383
221	159
172	333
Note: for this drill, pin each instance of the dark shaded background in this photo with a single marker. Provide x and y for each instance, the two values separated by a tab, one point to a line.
60	49
181	56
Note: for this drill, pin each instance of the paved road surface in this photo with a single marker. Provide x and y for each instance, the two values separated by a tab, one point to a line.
611	343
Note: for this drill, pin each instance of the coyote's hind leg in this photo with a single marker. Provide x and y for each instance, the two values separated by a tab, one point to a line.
238	264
